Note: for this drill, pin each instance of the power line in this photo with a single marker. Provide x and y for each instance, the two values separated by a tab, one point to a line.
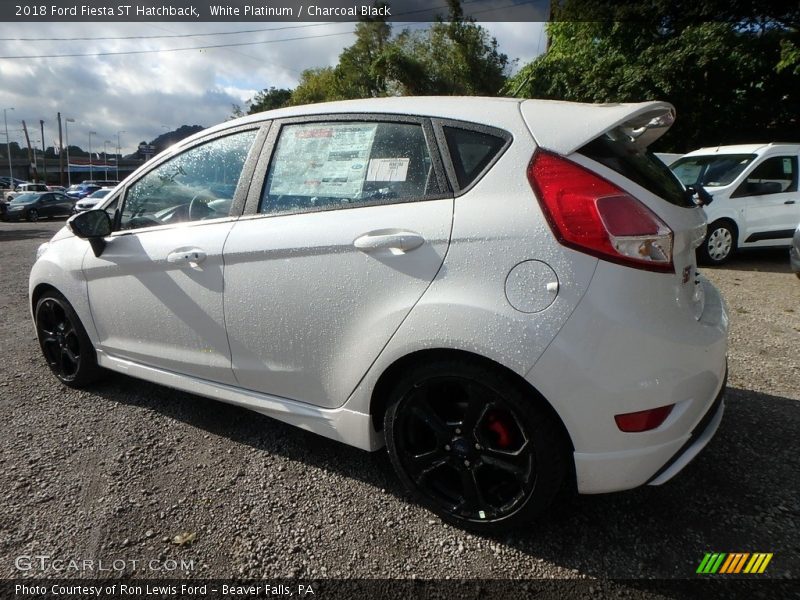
233	45
153	37
152	51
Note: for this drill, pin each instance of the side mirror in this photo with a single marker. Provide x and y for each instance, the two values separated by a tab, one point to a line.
92	225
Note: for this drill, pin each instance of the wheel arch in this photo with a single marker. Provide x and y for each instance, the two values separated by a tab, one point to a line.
38	292
390	376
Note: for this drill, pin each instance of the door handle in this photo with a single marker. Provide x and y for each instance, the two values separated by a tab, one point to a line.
398	242
789	202
185	257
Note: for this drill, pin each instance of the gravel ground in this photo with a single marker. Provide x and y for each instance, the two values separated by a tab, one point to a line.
115	472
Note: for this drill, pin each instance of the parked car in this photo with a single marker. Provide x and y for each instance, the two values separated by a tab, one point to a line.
24	188
81	190
755	199
10	182
668	157
32	206
57	188
794	252
502	291
92	200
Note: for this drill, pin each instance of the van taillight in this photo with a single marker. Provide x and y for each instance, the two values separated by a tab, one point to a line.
592	215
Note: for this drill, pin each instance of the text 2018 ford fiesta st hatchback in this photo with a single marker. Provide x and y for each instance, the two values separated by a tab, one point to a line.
502	291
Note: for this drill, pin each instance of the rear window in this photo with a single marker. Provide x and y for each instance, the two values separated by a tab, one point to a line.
639	166
471	152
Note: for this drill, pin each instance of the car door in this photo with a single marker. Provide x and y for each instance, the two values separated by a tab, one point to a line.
156	290
769	198
342	238
61	204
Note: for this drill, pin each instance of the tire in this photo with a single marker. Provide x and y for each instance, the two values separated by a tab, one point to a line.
33	215
64	343
720	243
474	446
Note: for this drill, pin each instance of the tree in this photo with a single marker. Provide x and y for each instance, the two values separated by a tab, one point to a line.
316	85
457	57
721	75
270	99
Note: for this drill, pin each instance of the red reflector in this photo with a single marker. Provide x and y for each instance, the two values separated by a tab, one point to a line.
643	420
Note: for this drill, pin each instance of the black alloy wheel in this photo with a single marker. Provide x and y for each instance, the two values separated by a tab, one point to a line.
65	345
33	215
473	447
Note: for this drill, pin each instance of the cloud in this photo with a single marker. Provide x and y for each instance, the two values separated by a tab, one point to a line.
141	93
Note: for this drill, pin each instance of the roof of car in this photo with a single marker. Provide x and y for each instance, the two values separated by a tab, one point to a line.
478	109
745	148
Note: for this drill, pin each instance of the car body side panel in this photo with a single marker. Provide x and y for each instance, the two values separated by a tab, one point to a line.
60	267
497	225
307	312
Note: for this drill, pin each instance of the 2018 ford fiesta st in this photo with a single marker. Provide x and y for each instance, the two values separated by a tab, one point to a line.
502	292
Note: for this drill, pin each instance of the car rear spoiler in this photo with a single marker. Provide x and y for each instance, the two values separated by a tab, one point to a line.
563	127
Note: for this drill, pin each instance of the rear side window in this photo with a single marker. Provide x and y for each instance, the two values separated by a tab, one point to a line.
327	165
639	166
471	152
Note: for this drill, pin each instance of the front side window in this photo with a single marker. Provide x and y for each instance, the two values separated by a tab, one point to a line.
195	185
711	171
773	176
339	164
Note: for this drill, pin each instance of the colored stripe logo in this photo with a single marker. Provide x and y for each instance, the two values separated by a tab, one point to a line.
729	563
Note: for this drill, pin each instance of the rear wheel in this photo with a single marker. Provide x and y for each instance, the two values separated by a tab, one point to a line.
33	215
474	446
65	345
720	243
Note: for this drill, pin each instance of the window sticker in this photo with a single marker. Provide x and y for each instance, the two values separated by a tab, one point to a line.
322	160
787	166
387	169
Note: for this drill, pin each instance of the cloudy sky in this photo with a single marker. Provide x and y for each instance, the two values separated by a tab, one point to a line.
145	95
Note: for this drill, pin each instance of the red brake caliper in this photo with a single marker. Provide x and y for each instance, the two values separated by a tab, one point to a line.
497	425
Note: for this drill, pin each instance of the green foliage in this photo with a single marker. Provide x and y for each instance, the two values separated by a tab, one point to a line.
316	85
722	77
270	99
458	57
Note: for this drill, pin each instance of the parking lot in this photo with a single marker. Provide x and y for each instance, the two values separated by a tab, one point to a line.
117	471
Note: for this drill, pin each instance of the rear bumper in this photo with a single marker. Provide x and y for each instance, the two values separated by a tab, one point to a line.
627	347
698	439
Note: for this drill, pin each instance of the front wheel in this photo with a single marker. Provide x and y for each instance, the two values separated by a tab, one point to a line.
33	215
64	342
720	243
474	446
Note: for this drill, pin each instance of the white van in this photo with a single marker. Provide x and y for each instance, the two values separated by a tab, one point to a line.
756	203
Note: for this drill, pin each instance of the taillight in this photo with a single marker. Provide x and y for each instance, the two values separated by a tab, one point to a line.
643	420
592	215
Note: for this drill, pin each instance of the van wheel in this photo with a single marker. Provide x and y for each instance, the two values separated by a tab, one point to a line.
64	342
474	446
720	243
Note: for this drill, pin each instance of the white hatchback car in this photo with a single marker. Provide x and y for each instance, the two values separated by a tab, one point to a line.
755	197
502	291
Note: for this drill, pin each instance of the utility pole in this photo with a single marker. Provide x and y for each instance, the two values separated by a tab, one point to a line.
44	153
67	121
60	153
8	150
31	154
